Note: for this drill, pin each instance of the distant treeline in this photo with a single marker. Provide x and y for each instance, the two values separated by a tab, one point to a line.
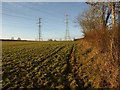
11	40
33	40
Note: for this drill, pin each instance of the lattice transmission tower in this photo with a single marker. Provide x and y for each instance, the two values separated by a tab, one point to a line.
39	33
67	34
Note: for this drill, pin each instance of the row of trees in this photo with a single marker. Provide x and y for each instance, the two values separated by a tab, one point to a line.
101	22
12	38
101	25
100	16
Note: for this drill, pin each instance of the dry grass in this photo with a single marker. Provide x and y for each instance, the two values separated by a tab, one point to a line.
101	66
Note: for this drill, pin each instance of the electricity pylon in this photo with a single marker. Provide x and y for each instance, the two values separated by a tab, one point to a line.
67	34
39	24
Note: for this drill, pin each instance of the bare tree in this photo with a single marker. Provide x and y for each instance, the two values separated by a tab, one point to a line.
12	38
19	38
99	15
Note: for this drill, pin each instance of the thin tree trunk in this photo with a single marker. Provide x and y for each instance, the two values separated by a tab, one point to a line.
113	14
103	17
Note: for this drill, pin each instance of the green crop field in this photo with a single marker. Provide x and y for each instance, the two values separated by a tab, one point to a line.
43	65
71	65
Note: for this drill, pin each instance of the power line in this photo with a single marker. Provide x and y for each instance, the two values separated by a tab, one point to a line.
29	14
17	16
49	11
39	10
33	9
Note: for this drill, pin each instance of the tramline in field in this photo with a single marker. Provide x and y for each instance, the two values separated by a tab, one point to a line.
42	65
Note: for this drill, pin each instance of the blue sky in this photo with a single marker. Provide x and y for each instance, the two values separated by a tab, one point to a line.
19	19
